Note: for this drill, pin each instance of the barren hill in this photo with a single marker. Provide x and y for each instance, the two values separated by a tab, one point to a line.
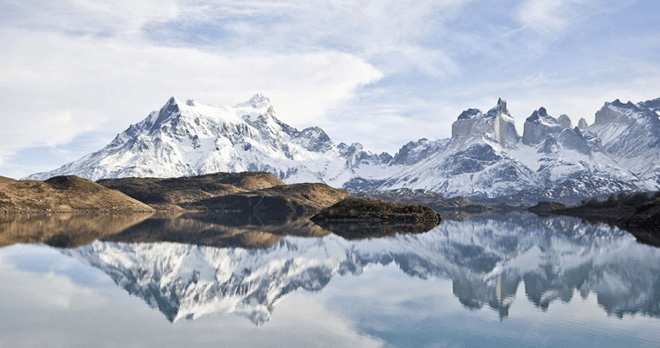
64	194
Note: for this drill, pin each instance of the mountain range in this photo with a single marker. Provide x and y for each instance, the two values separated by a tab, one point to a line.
485	157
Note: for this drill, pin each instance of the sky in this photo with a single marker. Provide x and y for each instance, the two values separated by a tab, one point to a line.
74	73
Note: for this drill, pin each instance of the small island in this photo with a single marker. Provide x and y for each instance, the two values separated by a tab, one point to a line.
356	218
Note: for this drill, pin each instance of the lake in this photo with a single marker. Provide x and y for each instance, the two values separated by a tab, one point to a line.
504	280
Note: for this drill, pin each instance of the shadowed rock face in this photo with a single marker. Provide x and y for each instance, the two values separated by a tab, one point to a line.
539	126
497	125
63	194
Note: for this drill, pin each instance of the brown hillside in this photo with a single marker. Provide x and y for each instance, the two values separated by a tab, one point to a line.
282	202
172	192
63	194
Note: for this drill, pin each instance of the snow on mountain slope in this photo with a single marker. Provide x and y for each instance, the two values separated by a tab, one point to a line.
630	134
183	139
484	158
486	258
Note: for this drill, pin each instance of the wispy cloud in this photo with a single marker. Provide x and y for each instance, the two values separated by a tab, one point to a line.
56	87
403	68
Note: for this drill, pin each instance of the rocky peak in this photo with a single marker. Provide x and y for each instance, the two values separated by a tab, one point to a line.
257	101
170	110
496	125
415	151
616	112
582	124
541	115
653	105
313	139
470	113
348	151
617	103
499	109
539	126
565	121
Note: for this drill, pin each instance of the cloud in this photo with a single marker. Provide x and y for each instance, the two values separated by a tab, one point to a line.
86	17
79	66
403	69
54	87
555	16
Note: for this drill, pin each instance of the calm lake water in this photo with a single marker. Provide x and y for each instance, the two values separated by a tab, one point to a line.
507	281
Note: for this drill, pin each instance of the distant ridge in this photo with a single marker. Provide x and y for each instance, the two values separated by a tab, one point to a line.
486	157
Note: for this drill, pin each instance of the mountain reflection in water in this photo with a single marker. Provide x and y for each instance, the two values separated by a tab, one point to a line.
486	259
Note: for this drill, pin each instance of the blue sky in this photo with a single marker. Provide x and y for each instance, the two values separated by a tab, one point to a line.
75	73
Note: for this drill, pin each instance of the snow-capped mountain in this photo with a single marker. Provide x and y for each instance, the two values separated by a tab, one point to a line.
631	134
184	139
486	258
485	157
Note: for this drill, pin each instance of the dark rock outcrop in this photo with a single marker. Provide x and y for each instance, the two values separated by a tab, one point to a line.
363	218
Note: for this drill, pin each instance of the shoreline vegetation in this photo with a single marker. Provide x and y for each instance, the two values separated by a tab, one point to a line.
356	218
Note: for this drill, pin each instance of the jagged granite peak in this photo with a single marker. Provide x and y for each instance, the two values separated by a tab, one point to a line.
615	112
356	156
653	104
496	125
631	134
470	113
565	121
416	151
575	139
314	139
582	124
500	108
539	126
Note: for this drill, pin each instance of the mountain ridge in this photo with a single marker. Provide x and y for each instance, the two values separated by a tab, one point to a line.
485	158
